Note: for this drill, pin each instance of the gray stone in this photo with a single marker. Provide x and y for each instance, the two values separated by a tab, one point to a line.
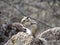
20	39
52	36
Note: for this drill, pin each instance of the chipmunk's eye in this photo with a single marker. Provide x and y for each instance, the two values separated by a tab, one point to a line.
0	12
24	30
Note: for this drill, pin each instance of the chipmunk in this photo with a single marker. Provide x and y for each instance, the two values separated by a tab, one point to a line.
21	28
26	25
14	28
31	24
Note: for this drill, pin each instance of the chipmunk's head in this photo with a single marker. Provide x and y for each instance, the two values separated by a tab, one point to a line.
26	21
30	23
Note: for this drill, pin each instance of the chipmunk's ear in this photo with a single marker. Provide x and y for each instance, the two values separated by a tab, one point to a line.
23	19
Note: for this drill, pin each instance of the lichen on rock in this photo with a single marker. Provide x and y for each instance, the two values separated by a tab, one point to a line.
20	39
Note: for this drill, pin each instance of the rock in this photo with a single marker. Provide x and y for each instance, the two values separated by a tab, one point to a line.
8	30
52	36
25	39
40	41
20	39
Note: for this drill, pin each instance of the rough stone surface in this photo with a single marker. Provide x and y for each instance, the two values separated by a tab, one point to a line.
39	41
20	39
25	39
52	36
